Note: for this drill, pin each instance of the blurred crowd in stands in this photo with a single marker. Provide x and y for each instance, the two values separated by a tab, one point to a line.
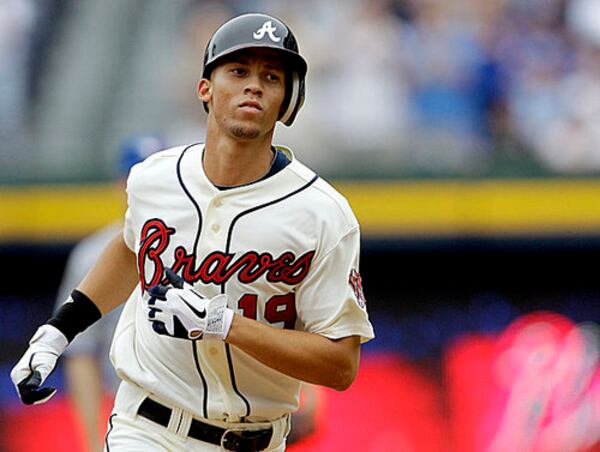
395	87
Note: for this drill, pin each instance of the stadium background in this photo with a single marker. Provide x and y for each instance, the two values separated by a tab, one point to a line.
464	134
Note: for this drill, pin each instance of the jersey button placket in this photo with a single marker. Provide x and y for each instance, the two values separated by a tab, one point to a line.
216	203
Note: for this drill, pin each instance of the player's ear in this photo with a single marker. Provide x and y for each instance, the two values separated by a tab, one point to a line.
204	90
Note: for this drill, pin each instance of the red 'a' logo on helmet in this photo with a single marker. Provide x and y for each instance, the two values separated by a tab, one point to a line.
356	283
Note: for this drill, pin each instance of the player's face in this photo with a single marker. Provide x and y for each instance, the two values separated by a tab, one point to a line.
246	92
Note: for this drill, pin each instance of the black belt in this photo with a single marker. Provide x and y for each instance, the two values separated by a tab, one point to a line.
237	440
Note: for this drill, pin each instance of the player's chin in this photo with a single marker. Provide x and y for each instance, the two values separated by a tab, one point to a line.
245	131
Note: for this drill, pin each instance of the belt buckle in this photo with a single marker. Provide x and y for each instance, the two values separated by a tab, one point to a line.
225	438
238	439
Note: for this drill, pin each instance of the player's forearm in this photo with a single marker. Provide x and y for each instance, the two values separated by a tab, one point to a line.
108	284
308	357
114	276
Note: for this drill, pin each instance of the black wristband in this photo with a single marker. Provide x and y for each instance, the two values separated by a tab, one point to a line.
75	316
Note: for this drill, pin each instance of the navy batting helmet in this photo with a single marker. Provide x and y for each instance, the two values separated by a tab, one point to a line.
261	30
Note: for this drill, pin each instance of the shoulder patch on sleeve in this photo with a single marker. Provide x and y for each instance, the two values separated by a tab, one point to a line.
355	282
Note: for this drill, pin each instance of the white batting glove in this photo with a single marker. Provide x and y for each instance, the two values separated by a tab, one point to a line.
185	313
46	345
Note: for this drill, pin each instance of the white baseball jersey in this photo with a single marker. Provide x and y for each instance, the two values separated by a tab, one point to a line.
284	249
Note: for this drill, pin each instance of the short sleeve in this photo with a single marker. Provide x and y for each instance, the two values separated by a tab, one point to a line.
330	301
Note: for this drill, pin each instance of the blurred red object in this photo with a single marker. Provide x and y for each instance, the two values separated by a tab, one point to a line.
535	388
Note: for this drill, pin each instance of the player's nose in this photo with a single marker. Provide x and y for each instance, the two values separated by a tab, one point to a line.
253	85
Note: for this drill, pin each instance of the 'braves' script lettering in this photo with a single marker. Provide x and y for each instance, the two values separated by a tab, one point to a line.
217	267
154	239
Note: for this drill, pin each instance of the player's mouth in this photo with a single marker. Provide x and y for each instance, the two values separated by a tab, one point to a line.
250	106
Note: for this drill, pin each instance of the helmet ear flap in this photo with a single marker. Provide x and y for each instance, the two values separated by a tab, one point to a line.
294	99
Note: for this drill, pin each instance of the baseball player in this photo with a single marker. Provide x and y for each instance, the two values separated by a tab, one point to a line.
239	266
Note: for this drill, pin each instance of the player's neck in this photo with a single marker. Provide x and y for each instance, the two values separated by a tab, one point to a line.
228	162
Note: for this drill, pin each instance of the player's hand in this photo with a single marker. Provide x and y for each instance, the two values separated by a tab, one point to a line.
182	312
28	376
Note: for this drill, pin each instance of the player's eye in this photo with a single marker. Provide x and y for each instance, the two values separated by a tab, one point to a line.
272	77
238	71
